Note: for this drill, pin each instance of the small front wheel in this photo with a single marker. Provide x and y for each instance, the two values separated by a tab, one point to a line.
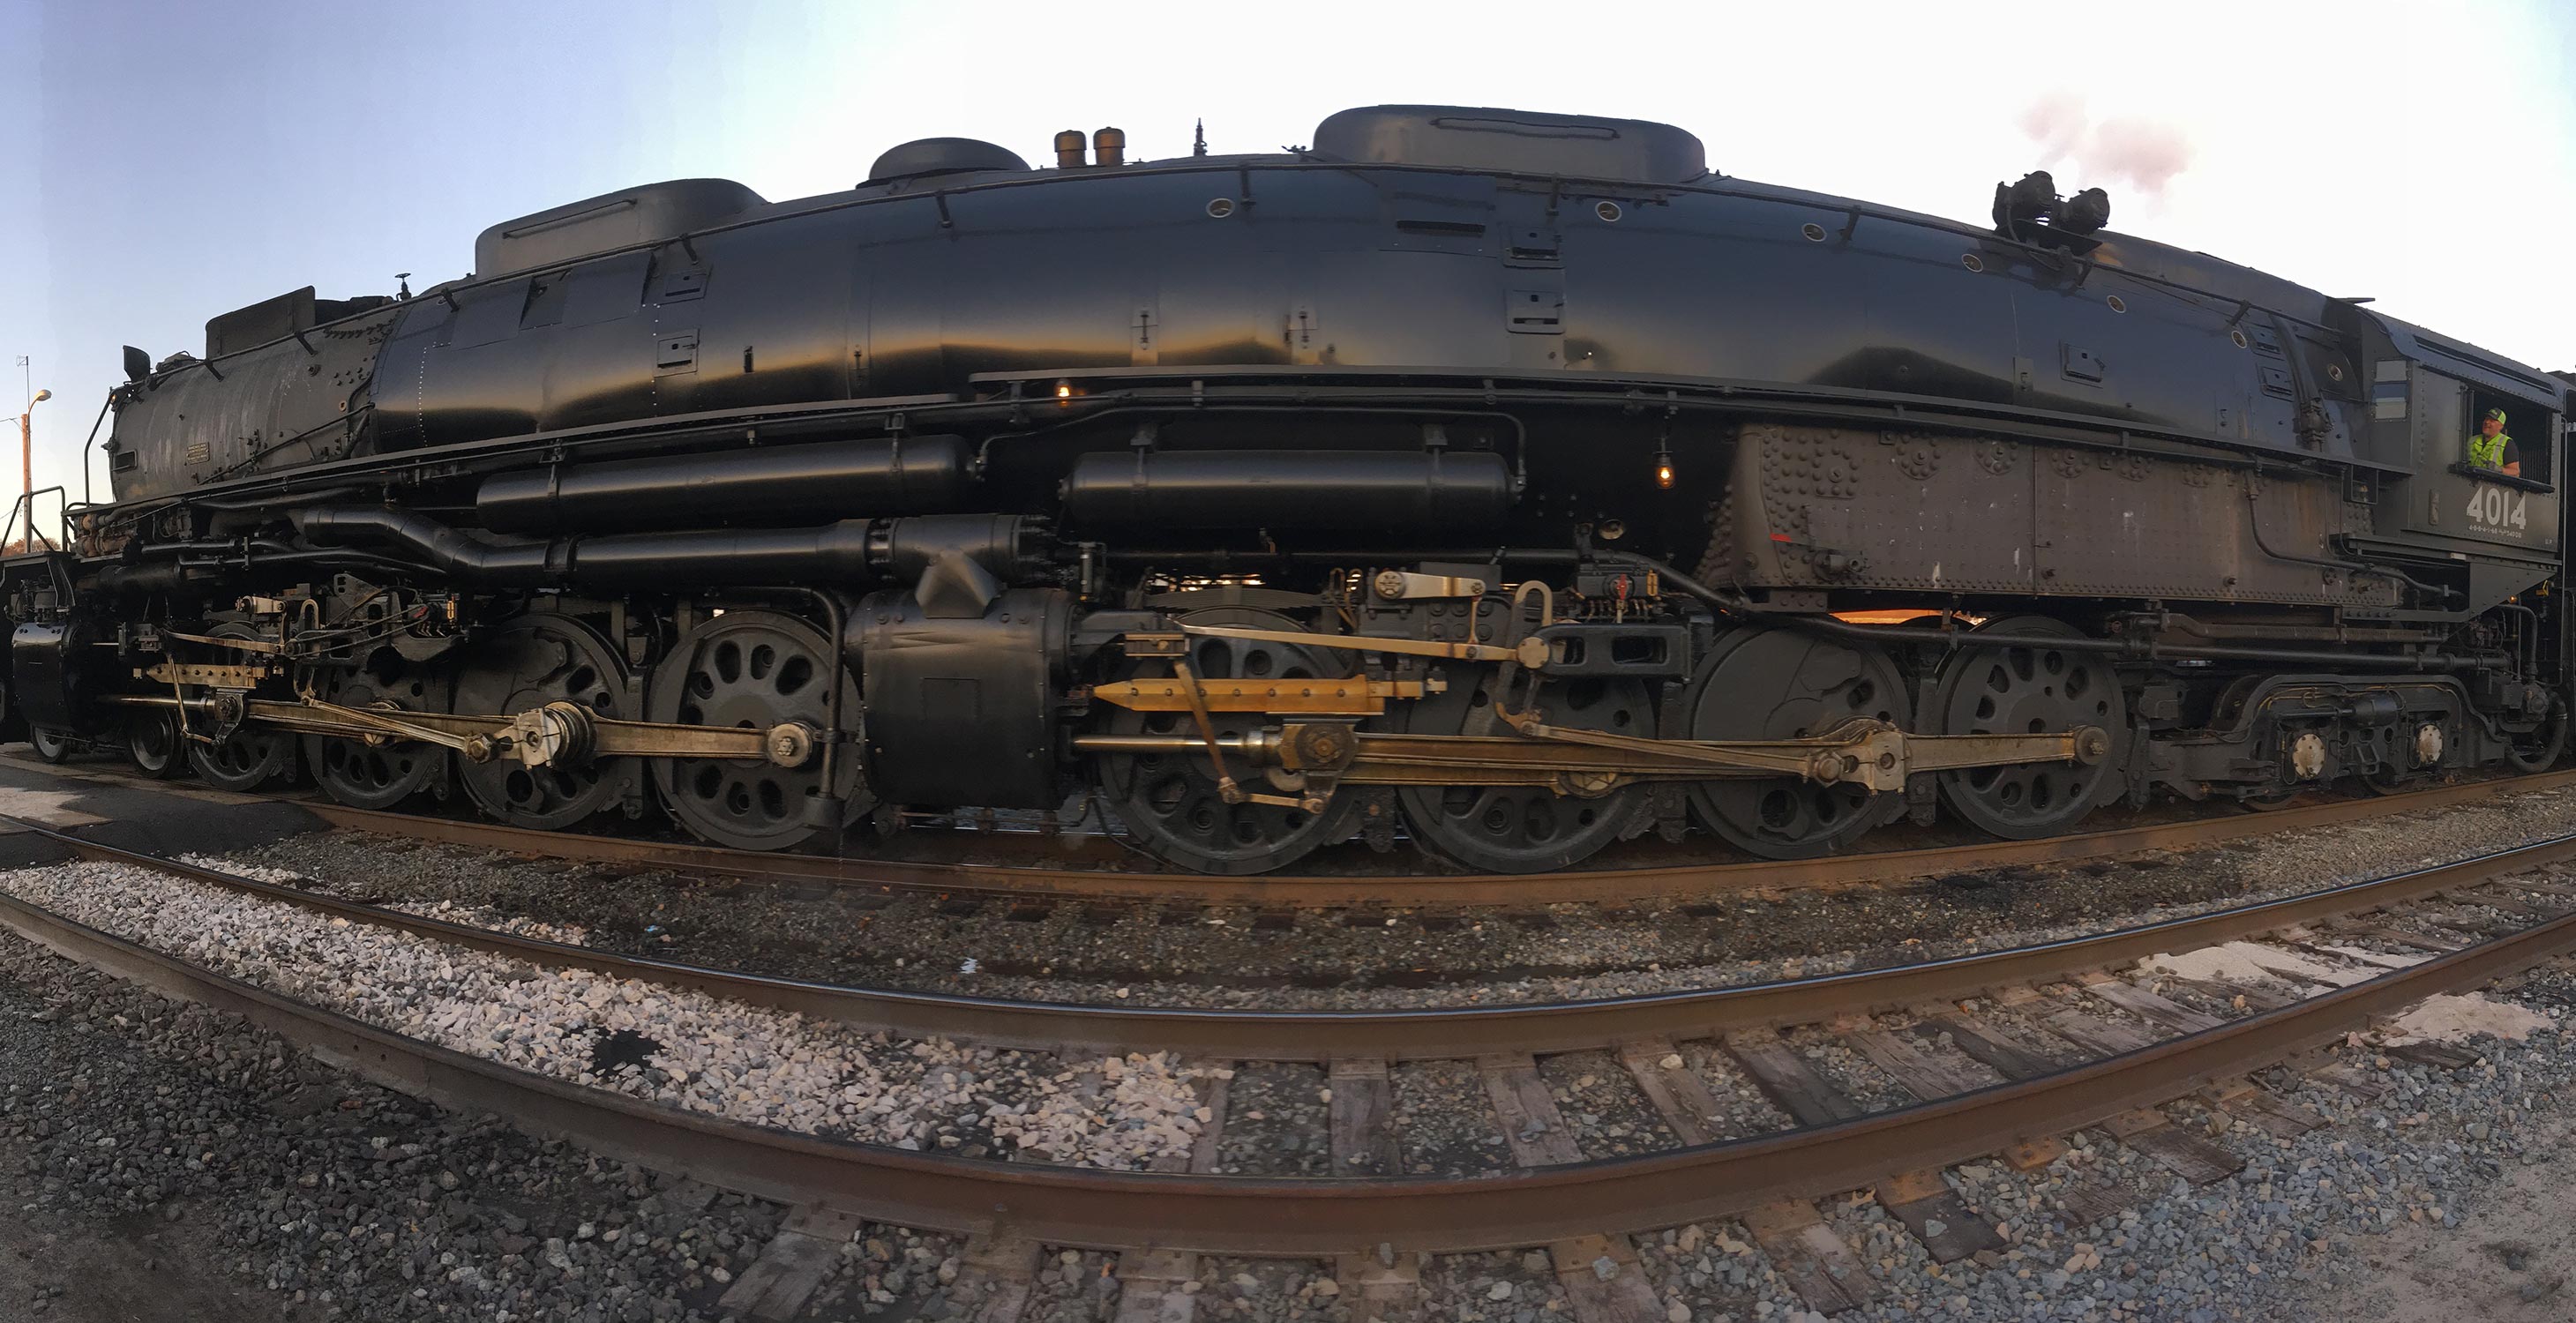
153	744
53	746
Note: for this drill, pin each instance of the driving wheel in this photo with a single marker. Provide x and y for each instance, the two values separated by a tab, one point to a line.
755	670
1999	688
1780	684
249	758
380	772
1170	803
526	664
1525	828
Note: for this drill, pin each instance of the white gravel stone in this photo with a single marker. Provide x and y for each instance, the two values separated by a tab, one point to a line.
705	1055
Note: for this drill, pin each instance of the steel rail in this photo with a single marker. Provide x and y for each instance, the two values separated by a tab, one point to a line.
1431	1033
1307	1217
1321	891
1649	883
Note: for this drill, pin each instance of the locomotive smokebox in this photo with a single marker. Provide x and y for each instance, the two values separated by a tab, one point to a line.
1322	490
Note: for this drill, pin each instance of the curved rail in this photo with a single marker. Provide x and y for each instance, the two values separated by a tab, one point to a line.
1662	882
1327	1216
1412	1034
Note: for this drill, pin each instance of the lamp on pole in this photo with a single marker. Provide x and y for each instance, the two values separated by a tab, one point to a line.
27	460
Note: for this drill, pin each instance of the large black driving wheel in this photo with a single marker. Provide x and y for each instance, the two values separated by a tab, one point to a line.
251	757
1170	803
1781	684
2018	687
532	661
380	772
756	670
1525	828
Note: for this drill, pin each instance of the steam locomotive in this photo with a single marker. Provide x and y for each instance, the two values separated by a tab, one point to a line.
1495	484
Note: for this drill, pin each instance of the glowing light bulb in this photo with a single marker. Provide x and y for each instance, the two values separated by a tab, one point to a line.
1664	470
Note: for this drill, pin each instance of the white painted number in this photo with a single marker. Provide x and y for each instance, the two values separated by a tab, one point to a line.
2498	508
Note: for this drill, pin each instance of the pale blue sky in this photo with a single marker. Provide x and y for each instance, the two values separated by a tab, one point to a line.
169	162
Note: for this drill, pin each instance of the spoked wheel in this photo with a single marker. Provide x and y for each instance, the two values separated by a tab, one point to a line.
533	661
53	746
2016	688
153	744
754	670
1525	829
1781	684
246	760
1170	802
380	772
251	757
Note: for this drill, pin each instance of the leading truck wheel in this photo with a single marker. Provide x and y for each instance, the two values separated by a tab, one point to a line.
53	746
1170	804
153	744
2016	688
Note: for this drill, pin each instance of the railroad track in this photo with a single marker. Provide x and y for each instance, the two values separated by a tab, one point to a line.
1642	884
2001	1052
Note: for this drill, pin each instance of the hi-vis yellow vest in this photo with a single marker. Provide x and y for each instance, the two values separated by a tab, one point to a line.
2487	452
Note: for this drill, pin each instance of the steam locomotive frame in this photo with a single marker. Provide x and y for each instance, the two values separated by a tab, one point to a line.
1502	483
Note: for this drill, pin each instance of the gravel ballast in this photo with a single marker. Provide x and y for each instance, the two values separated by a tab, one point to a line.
137	1131
162	1161
123	1114
667	1045
1184	956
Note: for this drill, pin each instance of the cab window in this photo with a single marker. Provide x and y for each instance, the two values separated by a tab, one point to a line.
2526	434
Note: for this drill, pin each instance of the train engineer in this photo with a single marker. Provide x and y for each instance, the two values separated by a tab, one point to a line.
2492	449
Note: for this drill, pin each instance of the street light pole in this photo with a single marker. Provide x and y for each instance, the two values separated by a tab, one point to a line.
27	446
27	460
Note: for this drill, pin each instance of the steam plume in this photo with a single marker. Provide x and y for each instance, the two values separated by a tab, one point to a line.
2137	154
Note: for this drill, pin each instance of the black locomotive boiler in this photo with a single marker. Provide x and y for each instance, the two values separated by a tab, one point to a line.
1506	484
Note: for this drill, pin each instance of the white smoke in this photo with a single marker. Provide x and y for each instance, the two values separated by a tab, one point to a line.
2131	152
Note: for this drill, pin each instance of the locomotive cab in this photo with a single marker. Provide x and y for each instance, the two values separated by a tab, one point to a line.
2482	533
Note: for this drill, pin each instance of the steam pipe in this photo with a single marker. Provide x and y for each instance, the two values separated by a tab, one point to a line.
759	485
1306	489
2130	649
2254	519
2137	649
835	552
